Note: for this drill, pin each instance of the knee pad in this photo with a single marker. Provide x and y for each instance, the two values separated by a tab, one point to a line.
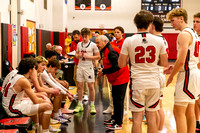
48	112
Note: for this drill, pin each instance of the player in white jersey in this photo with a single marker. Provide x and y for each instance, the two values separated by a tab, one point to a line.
86	52
145	51
13	96
156	29
187	84
196	26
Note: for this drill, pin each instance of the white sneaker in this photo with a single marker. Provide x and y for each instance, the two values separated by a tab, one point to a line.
85	97
65	116
108	110
53	121
51	129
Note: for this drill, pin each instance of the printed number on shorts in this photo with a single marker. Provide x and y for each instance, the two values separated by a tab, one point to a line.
196	51
141	52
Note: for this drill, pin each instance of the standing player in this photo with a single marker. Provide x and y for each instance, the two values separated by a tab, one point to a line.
156	29
145	51
187	84
196	26
86	52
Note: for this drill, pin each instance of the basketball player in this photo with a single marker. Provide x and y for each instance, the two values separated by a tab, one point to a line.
187	84
13	96
156	29
86	52
145	51
196	26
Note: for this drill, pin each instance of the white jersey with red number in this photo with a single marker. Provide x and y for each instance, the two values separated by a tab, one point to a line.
193	52
90	48
11	98
144	50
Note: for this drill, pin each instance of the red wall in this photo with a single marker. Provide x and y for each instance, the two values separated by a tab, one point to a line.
62	41
24	40
171	39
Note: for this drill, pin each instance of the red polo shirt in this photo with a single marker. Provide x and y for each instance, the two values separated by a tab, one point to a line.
118	43
74	47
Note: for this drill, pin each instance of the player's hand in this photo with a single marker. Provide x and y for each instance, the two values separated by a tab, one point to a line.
55	91
100	73
168	70
86	56
80	54
170	79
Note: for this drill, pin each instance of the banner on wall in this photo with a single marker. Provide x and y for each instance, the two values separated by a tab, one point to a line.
103	5
31	36
14	35
82	4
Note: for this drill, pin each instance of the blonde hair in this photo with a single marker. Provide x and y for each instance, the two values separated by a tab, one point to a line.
178	13
40	59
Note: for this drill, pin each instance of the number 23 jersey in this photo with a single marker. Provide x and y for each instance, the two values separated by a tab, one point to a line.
143	50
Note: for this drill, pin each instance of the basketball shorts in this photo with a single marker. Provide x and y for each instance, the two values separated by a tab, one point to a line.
144	99
187	86
85	74
26	107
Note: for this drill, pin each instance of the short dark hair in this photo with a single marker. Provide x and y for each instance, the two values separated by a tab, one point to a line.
54	63
29	54
197	15
50	53
119	28
158	23
143	19
97	32
76	32
85	31
26	64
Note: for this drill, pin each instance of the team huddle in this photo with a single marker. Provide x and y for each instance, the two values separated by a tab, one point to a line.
140	61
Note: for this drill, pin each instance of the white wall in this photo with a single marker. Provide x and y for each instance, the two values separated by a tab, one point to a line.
28	8
43	16
122	13
5	16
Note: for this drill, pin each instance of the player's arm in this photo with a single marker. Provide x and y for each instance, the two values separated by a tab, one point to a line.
96	56
163	61
25	85
183	41
122	61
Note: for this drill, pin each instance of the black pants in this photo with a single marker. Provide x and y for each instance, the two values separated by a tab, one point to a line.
118	94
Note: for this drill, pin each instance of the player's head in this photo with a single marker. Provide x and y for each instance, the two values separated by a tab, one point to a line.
178	18
143	19
196	22
50	54
53	65
157	25
179	12
85	33
26	64
42	62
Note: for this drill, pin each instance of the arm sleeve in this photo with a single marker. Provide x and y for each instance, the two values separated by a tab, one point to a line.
52	83
113	58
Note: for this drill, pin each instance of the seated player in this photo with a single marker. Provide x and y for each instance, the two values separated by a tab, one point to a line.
13	96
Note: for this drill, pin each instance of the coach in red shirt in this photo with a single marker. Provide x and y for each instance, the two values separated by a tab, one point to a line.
119	79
